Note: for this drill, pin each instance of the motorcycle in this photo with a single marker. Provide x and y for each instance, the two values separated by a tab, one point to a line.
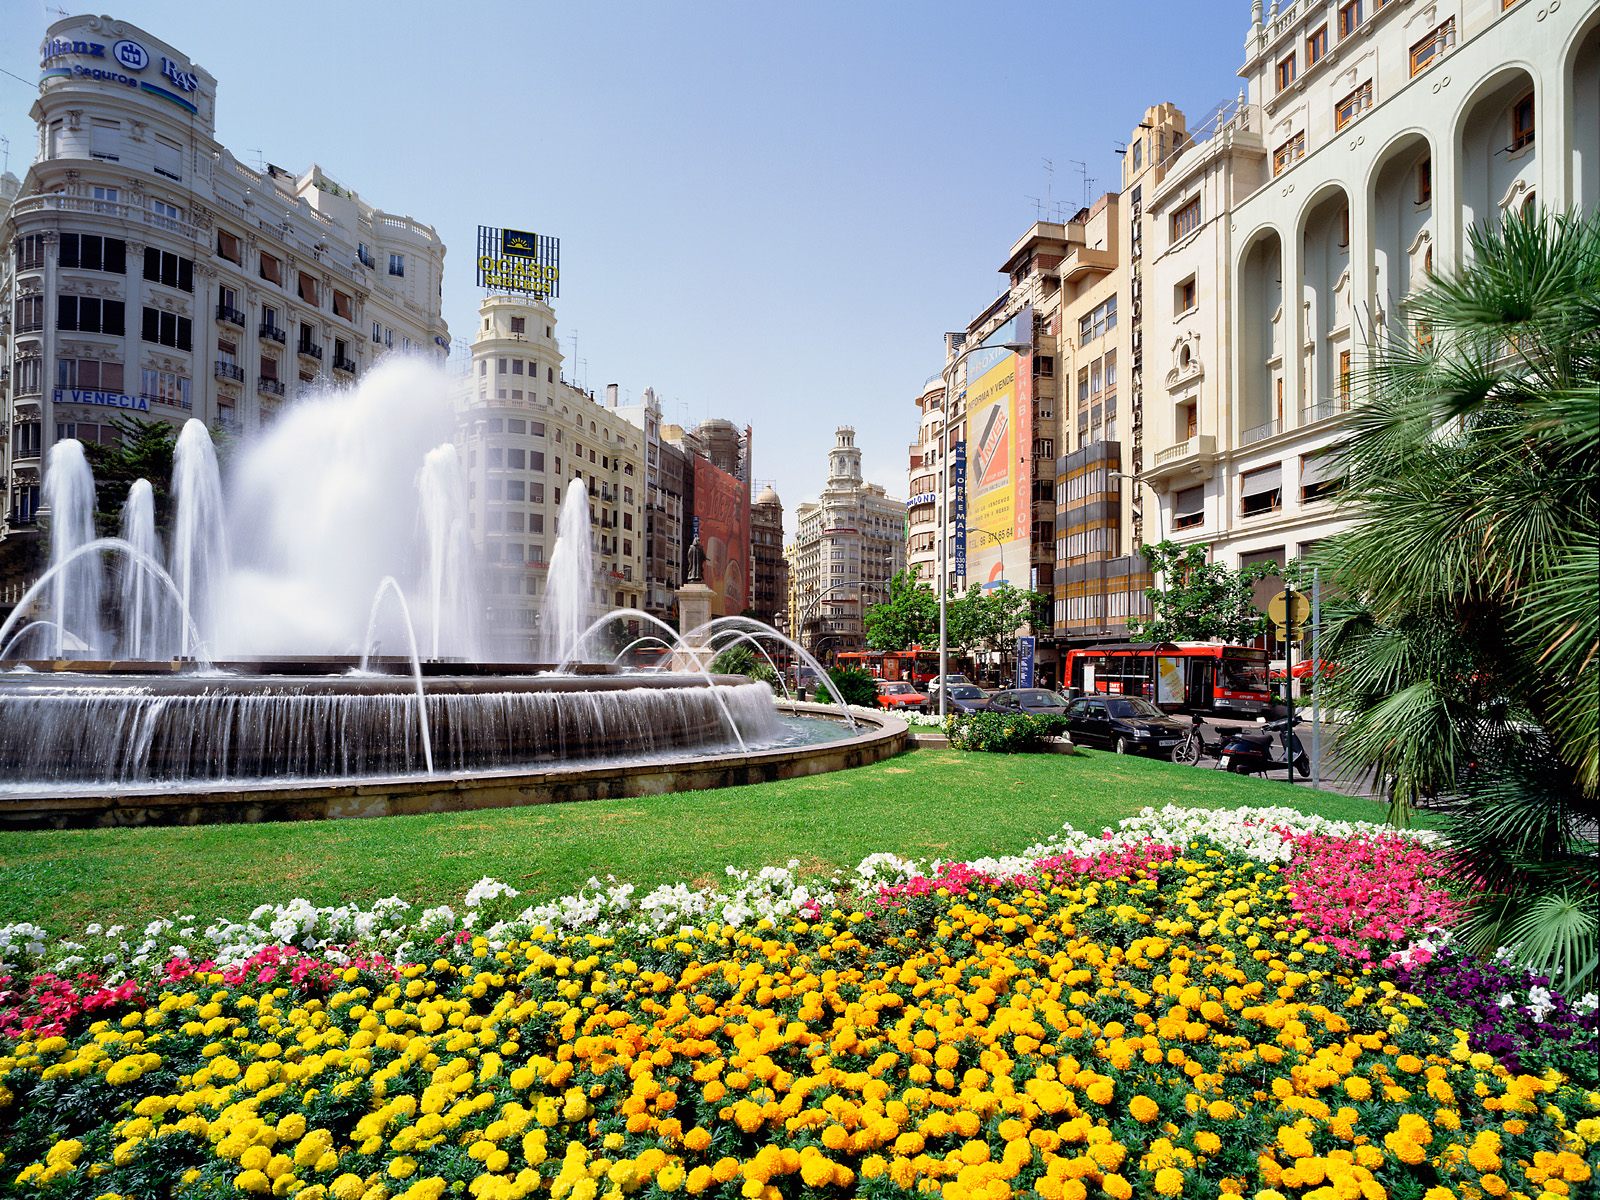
1194	746
1250	753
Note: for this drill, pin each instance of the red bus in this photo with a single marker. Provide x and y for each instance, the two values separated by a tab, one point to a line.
1192	676
914	665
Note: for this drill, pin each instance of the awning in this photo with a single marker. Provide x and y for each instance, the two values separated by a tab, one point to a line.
1258	483
1190	502
1317	469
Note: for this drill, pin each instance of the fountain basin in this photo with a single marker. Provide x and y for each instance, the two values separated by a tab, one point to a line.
878	736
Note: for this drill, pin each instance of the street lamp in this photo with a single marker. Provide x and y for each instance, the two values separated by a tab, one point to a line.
860	584
999	544
944	508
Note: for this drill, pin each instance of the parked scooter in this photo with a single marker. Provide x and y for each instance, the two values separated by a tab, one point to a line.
1253	752
1194	746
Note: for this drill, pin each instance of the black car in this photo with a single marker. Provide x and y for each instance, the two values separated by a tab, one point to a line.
1035	702
1126	724
964	698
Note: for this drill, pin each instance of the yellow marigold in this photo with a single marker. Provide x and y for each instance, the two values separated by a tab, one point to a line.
1144	1109
1493	1185
1169	1182
253	1181
1207	1142
1117	1187
1101	1091
1357	1088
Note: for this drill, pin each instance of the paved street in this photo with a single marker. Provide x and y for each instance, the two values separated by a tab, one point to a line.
1333	779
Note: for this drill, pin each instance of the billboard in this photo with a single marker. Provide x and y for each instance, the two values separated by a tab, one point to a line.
1000	456
514	260
722	520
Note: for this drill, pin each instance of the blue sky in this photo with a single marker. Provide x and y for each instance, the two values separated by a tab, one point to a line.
768	212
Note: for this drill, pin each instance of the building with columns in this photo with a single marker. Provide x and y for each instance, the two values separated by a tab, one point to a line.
851	542
144	271
1370	138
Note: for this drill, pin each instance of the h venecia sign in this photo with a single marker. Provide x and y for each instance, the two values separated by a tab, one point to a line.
102	399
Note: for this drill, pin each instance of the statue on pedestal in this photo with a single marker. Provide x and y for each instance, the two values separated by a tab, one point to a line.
697	563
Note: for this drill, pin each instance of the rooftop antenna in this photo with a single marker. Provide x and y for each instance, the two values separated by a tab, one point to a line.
5	153
573	338
261	162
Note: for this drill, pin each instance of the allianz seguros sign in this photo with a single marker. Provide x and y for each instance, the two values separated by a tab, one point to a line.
57	56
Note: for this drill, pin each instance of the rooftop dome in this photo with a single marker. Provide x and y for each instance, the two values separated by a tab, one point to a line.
768	496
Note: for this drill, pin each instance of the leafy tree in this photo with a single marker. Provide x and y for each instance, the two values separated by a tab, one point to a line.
990	620
1466	618
144	452
1195	600
909	617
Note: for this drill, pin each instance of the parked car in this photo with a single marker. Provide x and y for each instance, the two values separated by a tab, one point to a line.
1034	702
892	695
964	698
1126	724
955	679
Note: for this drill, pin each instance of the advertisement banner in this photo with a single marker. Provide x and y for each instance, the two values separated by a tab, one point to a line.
722	519
999	421
958	469
1169	680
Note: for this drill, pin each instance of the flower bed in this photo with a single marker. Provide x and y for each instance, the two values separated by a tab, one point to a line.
1151	1011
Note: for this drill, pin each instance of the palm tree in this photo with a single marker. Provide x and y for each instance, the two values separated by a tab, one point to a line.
1469	628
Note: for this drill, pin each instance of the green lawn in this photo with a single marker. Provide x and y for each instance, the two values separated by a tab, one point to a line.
933	803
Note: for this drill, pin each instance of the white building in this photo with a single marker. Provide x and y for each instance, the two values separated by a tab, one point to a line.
145	271
1372	137
527	434
851	543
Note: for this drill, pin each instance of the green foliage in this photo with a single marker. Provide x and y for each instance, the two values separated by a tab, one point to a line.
852	683
1466	595
145	452
989	620
1195	600
998	733
909	617
740	659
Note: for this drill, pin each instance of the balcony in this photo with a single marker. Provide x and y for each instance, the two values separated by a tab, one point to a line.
1193	456
227	370
274	333
1324	410
1085	262
309	350
341	363
1260	433
229	315
271	387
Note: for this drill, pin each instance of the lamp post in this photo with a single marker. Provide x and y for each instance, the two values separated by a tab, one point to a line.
999	544
860	584
944	508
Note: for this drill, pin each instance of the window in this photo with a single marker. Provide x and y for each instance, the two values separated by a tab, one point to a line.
377	336
1344	376
516	366
88	375
1138	154
269	368
1189	507
105	140
1289	153
1186	219
1349	18
1317	46
1344	226
1425	181
166	216
228	247
269	318
1044	366
1285	72
397	264
1522	123
342	306
167	329
164	267
1184	296
1099	322
1424	335
1261	491
518	326
169	158
307	289
89	314
106	199
30	252
1320	476
28	375
1189	419
165	387
271	269
87	252
1432	47
1352	106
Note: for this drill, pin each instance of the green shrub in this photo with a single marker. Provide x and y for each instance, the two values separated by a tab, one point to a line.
854	684
998	733
741	660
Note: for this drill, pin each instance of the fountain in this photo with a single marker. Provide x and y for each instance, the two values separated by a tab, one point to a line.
234	675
